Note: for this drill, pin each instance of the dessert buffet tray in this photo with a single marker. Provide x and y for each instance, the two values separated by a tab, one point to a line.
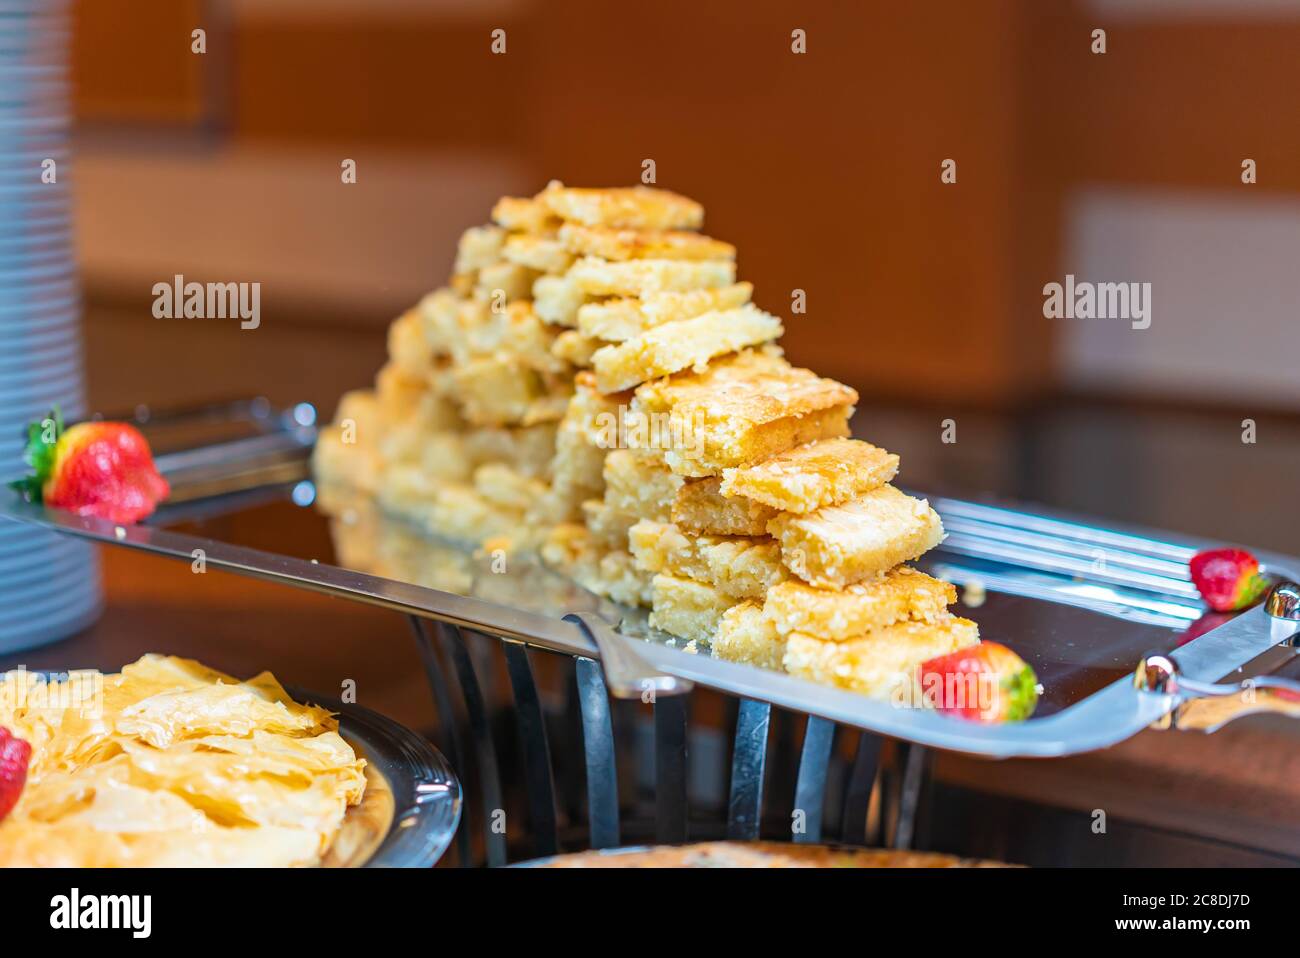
1084	604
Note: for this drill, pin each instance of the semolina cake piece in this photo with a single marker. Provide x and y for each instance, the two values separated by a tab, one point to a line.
558	300
525	215
637	277
838	614
639	485
882	663
624	244
575	348
514	329
509	280
507	488
637	207
577	472
594	413
838	545
537	253
737	566
398	393
505	390
571	549
528	450
813	475
438	455
621	319
408	349
460	513
685	608
335	462
744	635
479	247
496	390
439	313
404	490
700	508
609	525
684	344
744	410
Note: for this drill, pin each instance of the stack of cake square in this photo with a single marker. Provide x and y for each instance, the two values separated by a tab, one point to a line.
594	384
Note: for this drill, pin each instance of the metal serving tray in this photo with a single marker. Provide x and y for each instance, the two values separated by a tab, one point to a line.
1083	603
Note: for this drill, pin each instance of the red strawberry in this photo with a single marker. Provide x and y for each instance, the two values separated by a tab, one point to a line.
985	683
14	756
1228	579
100	469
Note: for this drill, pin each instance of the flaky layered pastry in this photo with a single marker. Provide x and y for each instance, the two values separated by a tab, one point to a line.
173	764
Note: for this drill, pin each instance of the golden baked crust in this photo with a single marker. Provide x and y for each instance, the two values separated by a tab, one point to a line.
638	277
525	214
737	566
838	545
700	508
538	253
509	279
574	348
637	207
744	409
685	608
625	244
618	320
479	246
881	663
817	474
901	593
438	311
684	344
408	348
744	635
557	300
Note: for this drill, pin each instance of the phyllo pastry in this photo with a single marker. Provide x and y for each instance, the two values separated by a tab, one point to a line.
170	763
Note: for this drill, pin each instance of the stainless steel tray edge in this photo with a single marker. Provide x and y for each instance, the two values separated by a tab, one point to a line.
1101	719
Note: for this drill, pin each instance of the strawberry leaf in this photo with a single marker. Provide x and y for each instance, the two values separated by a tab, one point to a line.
39	454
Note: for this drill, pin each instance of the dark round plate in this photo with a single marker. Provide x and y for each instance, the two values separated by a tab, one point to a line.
417	826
